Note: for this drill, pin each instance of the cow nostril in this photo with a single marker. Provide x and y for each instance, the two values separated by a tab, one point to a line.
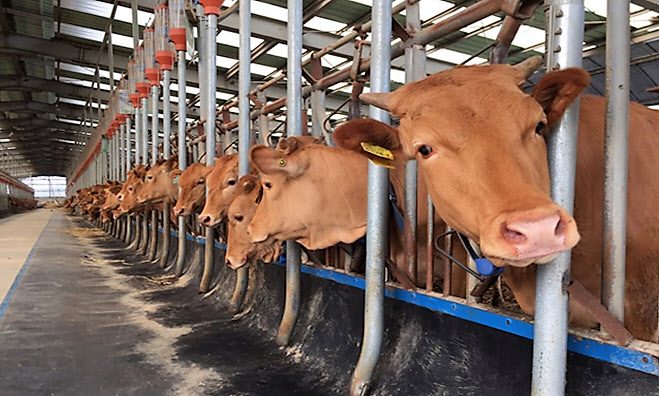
228	262
511	235
207	220
561	228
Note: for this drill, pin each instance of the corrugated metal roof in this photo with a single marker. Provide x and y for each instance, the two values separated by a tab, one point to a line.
80	25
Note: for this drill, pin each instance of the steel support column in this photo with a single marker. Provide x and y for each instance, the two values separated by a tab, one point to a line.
244	135
616	157
566	17
166	151
145	160
129	149
155	127
376	231
182	156
293	122
209	51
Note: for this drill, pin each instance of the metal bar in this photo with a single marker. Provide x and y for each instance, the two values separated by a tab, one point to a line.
145	160
135	25
182	155
616	158
318	114
293	122
129	224
378	179
155	127
166	151
551	301
244	135
210	49
414	70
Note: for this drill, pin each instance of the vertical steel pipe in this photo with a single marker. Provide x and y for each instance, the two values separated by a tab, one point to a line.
210	79
145	160
415	62
565	37
129	149
264	121
378	180
293	122
616	157
138	152
166	151
244	133
182	155
155	127
318	114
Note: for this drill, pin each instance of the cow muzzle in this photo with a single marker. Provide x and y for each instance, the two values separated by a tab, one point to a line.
520	239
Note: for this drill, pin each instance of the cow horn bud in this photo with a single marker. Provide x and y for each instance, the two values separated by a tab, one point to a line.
380	100
529	65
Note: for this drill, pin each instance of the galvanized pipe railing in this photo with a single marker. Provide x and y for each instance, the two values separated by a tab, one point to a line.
415	69
209	50
138	152
244	135
449	25
616	158
293	122
128	131
182	156
145	160
166	151
565	37
377	210
155	127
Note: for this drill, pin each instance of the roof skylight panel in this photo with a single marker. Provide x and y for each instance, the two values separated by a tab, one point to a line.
269	10
324	24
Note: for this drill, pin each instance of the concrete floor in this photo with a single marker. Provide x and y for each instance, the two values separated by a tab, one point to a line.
18	234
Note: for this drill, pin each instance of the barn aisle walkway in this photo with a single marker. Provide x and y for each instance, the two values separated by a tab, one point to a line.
89	317
18	234
65	330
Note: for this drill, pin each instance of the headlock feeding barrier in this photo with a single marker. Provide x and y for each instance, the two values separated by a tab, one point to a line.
391	326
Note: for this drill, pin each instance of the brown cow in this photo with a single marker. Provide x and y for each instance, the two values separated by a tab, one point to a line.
317	196
240	249
480	143
128	194
192	183
222	179
159	182
221	188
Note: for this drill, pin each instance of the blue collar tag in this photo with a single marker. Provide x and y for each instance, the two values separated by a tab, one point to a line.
485	267
175	180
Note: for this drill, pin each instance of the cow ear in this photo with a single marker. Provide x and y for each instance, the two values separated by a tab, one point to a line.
221	161
287	145
248	183
172	163
270	161
557	90
376	140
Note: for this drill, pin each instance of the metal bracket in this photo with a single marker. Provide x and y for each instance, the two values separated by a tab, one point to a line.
599	313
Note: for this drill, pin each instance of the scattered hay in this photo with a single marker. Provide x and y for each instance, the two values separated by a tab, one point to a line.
84	232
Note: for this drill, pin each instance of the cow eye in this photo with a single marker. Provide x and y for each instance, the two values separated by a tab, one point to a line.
231	182
130	188
425	151
540	128
267	185
149	177
201	181
238	218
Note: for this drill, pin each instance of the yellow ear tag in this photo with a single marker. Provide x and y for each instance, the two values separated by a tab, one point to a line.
378	151
281	162
383	163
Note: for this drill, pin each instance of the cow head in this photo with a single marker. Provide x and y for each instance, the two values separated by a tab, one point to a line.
480	145
158	185
128	194
240	248
192	184
314	194
221	188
